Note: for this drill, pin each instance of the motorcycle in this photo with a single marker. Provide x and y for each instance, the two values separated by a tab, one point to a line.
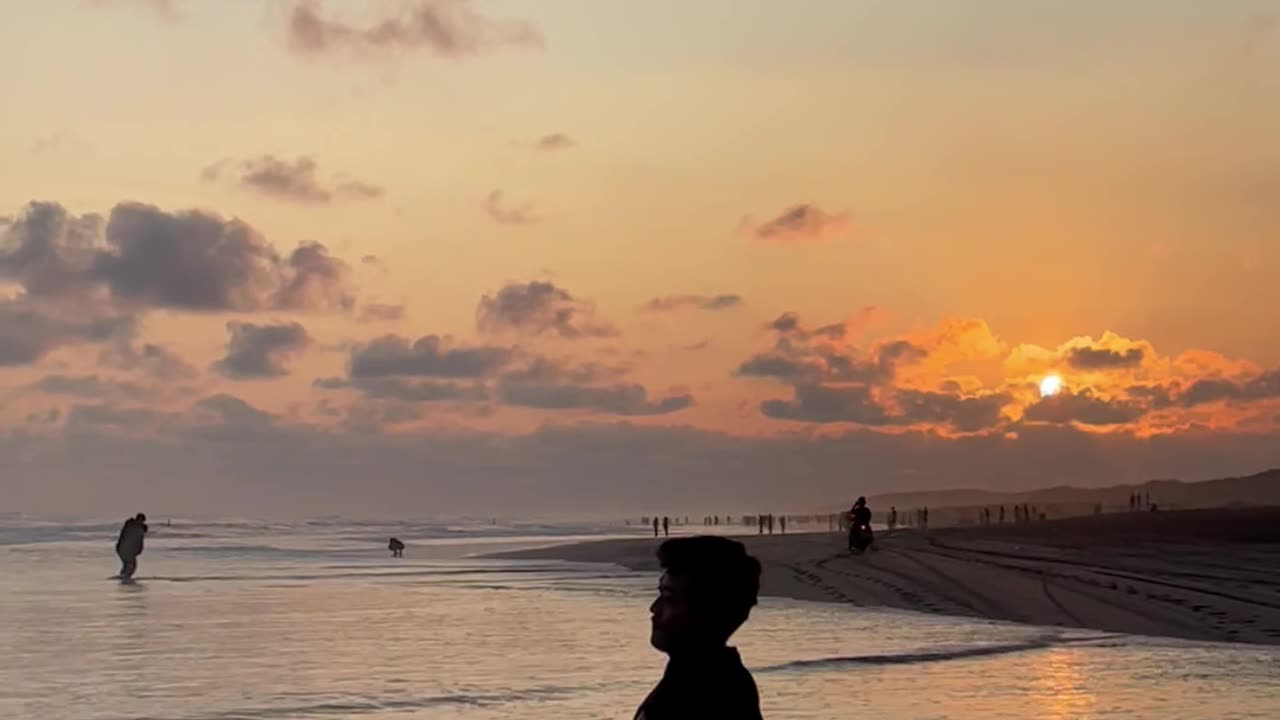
860	537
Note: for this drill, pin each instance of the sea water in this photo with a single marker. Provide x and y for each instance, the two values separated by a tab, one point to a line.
241	620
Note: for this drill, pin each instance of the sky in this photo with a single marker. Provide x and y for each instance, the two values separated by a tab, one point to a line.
488	256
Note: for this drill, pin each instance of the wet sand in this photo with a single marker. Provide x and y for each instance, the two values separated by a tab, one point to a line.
1197	574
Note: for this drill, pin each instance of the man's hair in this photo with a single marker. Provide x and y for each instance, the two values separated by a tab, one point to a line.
723	580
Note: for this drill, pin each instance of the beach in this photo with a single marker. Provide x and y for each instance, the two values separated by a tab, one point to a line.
232	619
1210	575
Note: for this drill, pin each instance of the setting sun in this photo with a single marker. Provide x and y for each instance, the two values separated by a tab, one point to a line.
1051	385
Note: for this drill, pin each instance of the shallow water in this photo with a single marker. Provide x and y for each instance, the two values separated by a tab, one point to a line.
240	621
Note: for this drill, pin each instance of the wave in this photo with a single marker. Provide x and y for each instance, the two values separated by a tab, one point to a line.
834	663
349	707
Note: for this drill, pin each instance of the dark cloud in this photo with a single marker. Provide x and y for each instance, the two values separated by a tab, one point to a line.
795	360
618	399
965	413
29	332
508	215
591	467
1085	407
149	258
87	386
695	302
447	28
554	141
107	415
1263	386
380	312
297	180
405	390
829	404
1088	358
197	261
801	223
428	356
540	308
873	407
51	253
788	324
261	351
564	384
151	360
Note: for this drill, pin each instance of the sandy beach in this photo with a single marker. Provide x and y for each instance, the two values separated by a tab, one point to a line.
1198	574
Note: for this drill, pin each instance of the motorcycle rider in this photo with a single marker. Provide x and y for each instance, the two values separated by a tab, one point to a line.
860	522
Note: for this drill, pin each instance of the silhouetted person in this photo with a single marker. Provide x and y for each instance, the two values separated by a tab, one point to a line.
893	517
1001	514
924	517
396	547
706	592
666	526
129	544
655	526
860	518
783	522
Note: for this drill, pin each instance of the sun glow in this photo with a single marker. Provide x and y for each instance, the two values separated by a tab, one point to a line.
1051	385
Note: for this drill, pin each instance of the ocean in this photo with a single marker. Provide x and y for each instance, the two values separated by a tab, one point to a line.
245	620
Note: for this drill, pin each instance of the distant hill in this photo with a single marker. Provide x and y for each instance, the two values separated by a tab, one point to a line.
1260	489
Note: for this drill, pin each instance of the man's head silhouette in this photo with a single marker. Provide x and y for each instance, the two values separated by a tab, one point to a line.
708	587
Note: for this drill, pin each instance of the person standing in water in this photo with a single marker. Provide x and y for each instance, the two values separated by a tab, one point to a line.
129	544
707	590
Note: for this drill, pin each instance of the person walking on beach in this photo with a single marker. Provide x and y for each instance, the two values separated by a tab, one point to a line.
893	517
783	522
129	544
655	526
666	526
396	547
707	590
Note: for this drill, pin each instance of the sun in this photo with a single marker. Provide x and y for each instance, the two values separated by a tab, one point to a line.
1051	385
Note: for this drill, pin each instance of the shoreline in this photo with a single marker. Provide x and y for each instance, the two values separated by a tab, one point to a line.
1210	575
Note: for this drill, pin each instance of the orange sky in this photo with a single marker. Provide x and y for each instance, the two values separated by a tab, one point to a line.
856	235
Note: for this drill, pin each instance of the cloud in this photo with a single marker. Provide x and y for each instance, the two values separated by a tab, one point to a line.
802	223
197	261
963	413
514	215
380	312
297	470
151	360
29	332
696	302
446	28
804	356
869	406
829	404
553	393
1085	407
1263	386
405	390
87	386
554	141
540	308
296	181
261	351
1088	358
147	258
696	347
428	356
